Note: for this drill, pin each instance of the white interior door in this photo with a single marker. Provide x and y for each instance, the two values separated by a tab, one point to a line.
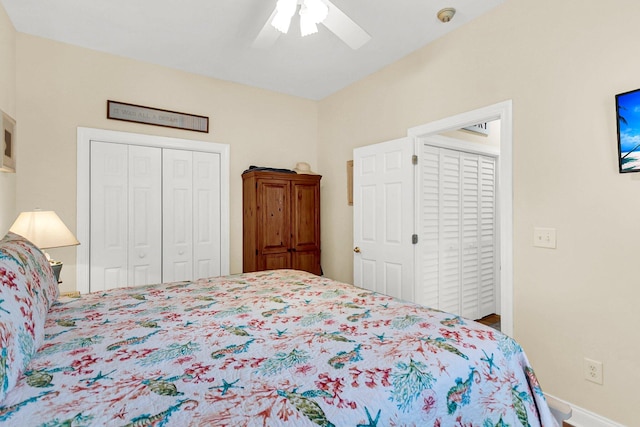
206	215
177	201
383	223
145	215
109	207
125	215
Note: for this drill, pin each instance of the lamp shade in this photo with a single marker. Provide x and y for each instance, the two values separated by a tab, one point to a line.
44	229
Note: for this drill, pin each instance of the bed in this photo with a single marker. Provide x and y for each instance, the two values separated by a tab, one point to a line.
273	348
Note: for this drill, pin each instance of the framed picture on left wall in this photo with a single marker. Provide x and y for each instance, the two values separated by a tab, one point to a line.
8	138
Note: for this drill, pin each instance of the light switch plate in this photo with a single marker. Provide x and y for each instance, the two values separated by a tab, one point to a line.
544	237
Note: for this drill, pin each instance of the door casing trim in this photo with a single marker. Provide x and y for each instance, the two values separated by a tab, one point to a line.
502	111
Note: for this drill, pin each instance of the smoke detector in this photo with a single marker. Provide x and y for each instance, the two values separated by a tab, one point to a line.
445	15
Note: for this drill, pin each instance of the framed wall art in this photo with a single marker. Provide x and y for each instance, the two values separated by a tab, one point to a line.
628	125
156	116
8	157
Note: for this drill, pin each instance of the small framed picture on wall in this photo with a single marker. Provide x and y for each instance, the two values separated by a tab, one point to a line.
8	157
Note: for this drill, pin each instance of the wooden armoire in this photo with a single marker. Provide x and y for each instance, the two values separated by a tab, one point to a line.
281	225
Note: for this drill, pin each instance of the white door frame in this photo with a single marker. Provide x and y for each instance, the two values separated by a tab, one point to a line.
501	111
84	138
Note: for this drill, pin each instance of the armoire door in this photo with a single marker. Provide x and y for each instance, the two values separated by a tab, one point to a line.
305	226
274	224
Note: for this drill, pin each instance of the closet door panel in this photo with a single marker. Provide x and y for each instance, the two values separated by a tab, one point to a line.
109	205
457	227
469	167
145	216
429	232
449	230
489	274
206	215
177	201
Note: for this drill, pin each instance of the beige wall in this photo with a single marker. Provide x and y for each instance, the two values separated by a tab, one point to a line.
561	63
61	87
8	105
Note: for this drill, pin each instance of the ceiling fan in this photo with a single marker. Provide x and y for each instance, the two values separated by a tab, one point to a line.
312	13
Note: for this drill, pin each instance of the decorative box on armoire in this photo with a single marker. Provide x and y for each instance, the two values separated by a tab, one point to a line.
281	225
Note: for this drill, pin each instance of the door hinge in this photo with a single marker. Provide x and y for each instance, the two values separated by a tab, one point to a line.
414	159
414	239
256	252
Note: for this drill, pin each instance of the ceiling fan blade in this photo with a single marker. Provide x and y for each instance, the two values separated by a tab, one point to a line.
344	27
267	35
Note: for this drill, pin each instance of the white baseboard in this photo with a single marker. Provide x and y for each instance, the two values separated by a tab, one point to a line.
580	417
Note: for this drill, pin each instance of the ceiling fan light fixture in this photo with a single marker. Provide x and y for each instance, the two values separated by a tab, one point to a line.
307	26
312	12
316	10
285	9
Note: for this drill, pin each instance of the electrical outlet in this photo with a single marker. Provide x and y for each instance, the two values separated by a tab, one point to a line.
593	371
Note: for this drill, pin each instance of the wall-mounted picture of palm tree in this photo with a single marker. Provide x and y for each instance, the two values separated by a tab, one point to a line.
628	120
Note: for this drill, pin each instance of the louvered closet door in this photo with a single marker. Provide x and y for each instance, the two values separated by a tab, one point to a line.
469	227
427	289
489	274
449	231
457	250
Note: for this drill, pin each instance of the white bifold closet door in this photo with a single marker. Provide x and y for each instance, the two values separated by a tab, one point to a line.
154	215
457	232
191	230
126	215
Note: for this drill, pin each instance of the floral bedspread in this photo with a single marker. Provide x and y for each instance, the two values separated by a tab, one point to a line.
271	348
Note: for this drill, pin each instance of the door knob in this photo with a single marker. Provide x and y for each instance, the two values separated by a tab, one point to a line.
356	250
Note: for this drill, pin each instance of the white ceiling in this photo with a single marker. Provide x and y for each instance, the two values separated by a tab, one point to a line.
214	37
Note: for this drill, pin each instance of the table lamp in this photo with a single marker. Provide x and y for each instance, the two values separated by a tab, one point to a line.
45	230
